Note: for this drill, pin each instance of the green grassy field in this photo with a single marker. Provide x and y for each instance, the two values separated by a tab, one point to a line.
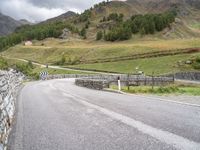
158	65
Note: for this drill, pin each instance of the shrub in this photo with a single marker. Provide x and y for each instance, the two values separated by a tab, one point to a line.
198	60
30	64
122	32
24	68
99	35
3	64
83	33
196	64
61	61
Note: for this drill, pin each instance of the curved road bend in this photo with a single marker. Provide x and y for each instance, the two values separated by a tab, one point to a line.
57	115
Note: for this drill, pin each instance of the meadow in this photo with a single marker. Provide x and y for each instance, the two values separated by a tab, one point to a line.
51	51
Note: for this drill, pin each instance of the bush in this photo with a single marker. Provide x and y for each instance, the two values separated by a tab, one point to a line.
83	33
198	60
99	35
196	64
122	32
24	68
62	61
3	64
30	64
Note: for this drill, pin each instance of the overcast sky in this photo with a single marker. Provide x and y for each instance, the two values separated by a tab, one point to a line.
38	10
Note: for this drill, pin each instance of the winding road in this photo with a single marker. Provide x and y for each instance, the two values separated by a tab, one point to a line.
57	115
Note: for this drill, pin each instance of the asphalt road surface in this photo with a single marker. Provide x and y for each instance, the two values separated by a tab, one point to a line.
57	115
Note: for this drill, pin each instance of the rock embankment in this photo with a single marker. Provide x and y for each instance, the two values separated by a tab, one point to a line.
10	82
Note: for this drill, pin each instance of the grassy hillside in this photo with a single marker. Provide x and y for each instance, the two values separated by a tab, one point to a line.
185	25
158	65
53	50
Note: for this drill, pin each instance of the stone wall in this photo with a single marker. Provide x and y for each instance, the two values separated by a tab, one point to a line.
193	76
92	83
91	76
10	82
104	81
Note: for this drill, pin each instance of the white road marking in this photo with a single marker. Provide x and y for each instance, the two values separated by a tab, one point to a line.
161	135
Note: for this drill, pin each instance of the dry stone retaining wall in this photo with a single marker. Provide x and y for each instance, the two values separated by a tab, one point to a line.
110	78
193	76
92	84
104	81
10	82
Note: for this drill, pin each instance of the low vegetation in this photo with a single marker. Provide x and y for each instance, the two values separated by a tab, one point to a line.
3	64
158	65
196	63
85	50
171	89
30	70
77	54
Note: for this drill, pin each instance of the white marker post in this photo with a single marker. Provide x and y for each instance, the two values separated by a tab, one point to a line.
119	84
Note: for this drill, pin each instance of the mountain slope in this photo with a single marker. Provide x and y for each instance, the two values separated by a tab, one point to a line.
8	24
187	22
63	17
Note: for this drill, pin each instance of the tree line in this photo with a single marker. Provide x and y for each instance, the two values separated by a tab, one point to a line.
143	24
35	32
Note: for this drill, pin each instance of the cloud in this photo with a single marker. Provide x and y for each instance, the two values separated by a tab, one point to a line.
39	10
79	5
21	9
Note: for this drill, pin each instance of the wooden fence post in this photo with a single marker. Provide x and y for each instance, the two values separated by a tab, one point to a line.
152	80
128	82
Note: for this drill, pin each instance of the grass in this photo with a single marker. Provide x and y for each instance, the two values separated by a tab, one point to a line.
166	90
158	65
53	49
57	71
35	71
196	25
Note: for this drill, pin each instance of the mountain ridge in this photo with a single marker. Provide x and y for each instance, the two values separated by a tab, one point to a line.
63	17
8	24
